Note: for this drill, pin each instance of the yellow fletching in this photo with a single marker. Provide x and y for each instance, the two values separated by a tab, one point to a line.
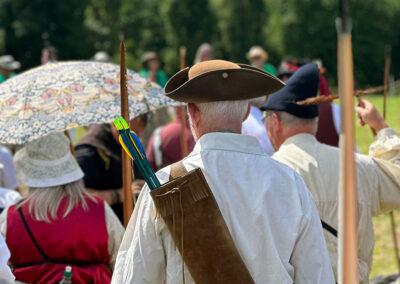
124	147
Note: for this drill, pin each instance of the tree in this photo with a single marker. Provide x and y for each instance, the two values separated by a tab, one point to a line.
28	24
191	23
143	27
242	23
309	31
103	23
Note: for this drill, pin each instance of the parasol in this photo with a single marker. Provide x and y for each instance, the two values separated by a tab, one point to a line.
64	95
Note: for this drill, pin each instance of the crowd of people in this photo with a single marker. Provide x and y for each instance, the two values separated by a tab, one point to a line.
272	166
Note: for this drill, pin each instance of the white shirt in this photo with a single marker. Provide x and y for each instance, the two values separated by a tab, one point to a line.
378	185
254	126
8	197
266	206
5	273
336	117
8	178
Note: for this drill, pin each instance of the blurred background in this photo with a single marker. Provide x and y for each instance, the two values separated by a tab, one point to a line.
285	29
292	28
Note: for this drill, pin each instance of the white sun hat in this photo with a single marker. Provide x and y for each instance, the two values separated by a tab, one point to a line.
9	63
47	162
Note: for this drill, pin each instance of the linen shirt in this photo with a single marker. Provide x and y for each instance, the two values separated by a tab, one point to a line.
267	209
8	176
378	185
5	273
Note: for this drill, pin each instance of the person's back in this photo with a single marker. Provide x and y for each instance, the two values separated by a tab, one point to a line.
313	161
246	193
265	206
80	239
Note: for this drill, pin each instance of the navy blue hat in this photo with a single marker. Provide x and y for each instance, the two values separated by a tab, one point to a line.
302	85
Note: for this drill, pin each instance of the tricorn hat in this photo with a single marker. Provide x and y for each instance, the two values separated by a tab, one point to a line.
220	80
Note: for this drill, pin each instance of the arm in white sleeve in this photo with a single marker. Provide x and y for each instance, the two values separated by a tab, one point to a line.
115	232
385	152
10	176
5	273
310	257
141	258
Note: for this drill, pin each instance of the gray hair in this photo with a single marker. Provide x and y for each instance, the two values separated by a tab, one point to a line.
218	113
44	202
291	121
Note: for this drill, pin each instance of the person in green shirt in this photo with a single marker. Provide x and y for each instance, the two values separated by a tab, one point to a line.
7	65
258	58
151	69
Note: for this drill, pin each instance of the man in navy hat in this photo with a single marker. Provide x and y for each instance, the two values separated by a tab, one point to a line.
292	129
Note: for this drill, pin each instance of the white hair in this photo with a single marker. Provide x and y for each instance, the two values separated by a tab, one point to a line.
291	121
217	114
258	102
294	121
43	203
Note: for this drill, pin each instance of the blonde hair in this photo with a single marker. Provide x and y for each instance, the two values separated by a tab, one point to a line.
43	203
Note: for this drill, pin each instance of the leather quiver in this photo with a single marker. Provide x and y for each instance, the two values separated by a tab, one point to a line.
198	229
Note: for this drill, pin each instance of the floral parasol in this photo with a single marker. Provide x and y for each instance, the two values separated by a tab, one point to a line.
60	96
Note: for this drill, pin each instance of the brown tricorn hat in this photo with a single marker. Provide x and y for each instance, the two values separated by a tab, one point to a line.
219	80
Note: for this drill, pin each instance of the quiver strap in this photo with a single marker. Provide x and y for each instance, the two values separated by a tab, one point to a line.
198	229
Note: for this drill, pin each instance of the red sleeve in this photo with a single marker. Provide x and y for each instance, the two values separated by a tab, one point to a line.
150	152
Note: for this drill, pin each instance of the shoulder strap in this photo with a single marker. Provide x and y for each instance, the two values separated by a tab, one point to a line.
31	236
177	170
329	228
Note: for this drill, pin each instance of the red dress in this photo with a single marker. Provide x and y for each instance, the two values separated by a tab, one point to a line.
326	127
79	240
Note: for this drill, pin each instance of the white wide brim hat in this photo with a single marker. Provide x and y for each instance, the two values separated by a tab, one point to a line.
47	162
7	62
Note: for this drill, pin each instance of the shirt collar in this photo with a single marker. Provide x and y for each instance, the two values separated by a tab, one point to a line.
228	142
301	138
257	113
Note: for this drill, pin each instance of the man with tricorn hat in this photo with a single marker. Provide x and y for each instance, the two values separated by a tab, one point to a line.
292	129
265	205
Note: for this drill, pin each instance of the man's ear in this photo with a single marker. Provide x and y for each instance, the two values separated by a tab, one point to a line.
247	112
194	113
276	120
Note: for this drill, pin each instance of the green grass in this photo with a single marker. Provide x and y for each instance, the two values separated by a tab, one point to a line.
384	262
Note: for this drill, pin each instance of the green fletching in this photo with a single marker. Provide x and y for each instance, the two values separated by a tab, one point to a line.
118	124
124	123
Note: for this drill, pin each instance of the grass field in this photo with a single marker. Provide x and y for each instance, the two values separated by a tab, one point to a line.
384	262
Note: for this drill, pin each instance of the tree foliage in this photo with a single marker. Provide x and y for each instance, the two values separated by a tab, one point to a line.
29	24
285	28
190	24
